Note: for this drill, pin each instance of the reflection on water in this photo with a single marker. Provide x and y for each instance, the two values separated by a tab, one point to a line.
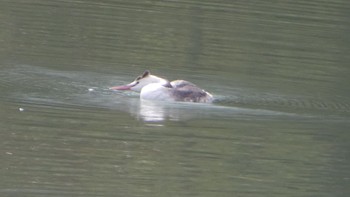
155	112
278	70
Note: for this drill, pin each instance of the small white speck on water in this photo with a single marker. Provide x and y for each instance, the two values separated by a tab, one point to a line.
21	109
91	89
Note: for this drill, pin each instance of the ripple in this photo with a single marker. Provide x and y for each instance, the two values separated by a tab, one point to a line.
42	86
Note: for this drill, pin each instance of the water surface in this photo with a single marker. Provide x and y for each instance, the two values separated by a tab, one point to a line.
279	72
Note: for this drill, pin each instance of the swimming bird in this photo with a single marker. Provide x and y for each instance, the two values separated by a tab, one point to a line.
152	87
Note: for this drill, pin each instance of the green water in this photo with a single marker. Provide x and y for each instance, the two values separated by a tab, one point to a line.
279	72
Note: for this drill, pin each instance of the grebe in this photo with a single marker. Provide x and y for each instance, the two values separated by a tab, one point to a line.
152	87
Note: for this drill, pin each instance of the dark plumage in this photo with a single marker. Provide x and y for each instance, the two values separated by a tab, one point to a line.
186	91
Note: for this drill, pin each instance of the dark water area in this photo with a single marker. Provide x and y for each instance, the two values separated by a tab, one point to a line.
279	125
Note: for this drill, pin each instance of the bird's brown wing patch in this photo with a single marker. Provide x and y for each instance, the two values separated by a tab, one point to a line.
187	91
